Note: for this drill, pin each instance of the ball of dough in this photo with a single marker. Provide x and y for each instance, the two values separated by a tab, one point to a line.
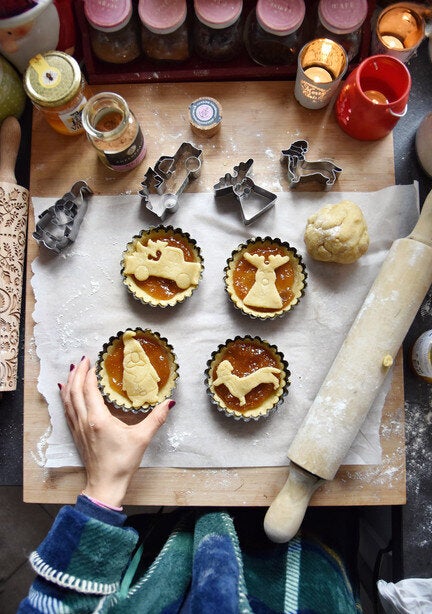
337	233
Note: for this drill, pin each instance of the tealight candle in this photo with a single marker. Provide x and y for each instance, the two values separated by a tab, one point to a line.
321	65
399	31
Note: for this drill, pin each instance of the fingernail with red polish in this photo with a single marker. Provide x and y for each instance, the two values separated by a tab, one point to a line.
82	358
60	386
171	404
72	367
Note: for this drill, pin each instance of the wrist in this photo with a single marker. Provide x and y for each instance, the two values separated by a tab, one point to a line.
108	496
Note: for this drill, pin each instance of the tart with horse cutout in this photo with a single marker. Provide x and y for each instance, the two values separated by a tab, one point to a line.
265	277
247	378
162	266
136	369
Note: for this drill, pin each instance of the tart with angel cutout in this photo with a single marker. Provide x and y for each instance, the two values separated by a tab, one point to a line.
162	266
247	378
265	277
136	369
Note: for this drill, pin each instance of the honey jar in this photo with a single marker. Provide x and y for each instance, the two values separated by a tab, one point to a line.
114	131
54	83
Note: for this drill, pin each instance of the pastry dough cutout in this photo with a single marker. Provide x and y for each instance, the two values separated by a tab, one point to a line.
241	386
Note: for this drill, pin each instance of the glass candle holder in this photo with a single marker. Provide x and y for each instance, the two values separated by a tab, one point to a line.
321	65
399	31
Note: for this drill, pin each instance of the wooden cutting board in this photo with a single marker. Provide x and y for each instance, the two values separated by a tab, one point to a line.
259	120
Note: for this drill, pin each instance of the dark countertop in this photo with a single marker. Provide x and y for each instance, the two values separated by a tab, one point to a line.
417	514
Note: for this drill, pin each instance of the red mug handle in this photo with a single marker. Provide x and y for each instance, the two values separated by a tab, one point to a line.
399	114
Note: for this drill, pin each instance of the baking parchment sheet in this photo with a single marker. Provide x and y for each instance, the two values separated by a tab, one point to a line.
81	301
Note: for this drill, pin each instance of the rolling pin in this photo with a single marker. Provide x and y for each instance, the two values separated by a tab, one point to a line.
13	231
356	375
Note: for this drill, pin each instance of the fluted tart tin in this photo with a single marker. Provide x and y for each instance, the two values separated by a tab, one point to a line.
162	266
136	369
265	277
247	378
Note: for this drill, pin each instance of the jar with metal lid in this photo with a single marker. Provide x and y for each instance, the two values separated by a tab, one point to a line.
421	356
54	83
217	33
114	30
164	31
273	33
342	22
114	131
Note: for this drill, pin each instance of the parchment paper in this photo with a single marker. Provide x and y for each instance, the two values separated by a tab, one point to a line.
81	301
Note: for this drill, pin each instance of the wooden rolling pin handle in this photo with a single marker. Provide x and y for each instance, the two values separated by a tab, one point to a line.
286	513
10	137
422	231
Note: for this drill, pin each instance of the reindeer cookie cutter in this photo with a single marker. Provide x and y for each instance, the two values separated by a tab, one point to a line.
58	226
301	170
163	185
253	200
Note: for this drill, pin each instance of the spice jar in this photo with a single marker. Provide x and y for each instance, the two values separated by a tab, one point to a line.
273	31
164	32
114	30
218	29
55	85
342	22
114	131
421	356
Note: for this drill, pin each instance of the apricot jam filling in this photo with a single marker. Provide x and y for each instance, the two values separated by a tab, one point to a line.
156	353
246	356
159	288
244	274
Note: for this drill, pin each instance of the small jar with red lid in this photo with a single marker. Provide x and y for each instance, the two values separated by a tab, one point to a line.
273	33
218	31
164	30
114	30
342	22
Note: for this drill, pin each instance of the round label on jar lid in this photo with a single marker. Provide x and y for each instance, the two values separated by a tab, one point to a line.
205	116
162	16
52	78
282	17
218	13
108	16
342	17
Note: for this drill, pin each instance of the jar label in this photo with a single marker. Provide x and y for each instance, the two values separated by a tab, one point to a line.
127	158
205	112
72	118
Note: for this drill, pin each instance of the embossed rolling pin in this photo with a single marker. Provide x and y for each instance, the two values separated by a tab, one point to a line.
13	230
357	373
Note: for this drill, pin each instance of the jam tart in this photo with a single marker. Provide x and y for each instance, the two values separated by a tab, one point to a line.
136	369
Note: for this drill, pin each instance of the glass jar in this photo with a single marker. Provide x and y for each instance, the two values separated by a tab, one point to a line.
114	30
114	131
273	32
164	31
54	83
342	22
421	356
218	29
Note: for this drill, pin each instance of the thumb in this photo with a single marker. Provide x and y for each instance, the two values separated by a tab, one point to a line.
156	418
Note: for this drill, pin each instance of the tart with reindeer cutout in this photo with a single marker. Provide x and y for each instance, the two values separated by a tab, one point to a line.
162	266
247	378
136	369
265	277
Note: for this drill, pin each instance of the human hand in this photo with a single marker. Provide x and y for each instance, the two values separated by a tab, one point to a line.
110	449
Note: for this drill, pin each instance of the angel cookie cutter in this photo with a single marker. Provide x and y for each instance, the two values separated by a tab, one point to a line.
58	226
300	170
163	185
253	200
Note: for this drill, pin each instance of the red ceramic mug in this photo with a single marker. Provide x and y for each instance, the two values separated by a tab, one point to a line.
373	98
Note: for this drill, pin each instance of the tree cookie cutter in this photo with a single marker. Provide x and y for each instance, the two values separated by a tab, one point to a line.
163	185
300	170
58	225
254	201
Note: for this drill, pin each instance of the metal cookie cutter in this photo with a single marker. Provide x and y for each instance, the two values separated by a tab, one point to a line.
170	177
254	201
59	224
299	169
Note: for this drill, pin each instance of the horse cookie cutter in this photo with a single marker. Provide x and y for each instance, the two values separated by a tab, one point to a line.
254	201
163	185
299	169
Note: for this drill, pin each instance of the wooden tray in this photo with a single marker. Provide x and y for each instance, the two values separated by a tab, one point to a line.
259	120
